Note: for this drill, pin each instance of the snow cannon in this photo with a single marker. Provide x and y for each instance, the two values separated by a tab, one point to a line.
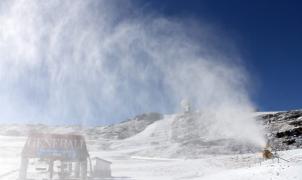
267	152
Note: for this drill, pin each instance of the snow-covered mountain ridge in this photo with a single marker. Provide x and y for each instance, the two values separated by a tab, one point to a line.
178	135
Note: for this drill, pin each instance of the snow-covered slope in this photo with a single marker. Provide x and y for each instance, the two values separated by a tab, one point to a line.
209	167
183	136
177	135
124	129
173	147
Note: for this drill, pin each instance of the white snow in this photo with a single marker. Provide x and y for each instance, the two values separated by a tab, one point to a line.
228	167
209	167
148	155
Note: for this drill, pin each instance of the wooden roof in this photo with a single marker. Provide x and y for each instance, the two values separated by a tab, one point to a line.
56	146
103	160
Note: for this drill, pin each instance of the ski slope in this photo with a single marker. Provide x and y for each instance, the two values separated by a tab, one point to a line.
209	167
158	153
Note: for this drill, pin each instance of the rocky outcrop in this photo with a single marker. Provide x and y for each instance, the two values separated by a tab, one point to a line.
284	129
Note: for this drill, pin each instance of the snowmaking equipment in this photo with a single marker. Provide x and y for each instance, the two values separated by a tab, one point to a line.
268	154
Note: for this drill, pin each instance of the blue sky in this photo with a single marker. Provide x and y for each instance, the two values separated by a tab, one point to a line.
268	34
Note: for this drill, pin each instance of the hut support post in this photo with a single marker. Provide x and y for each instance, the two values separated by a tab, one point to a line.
50	169
84	170
77	170
23	168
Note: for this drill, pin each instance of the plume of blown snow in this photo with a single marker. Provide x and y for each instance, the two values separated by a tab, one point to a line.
98	62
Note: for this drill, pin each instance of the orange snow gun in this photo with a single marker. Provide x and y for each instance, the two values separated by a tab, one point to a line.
267	154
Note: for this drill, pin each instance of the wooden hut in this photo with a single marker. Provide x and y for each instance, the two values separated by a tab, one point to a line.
70	150
101	168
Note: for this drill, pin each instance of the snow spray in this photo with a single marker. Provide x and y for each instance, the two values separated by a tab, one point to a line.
100	62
